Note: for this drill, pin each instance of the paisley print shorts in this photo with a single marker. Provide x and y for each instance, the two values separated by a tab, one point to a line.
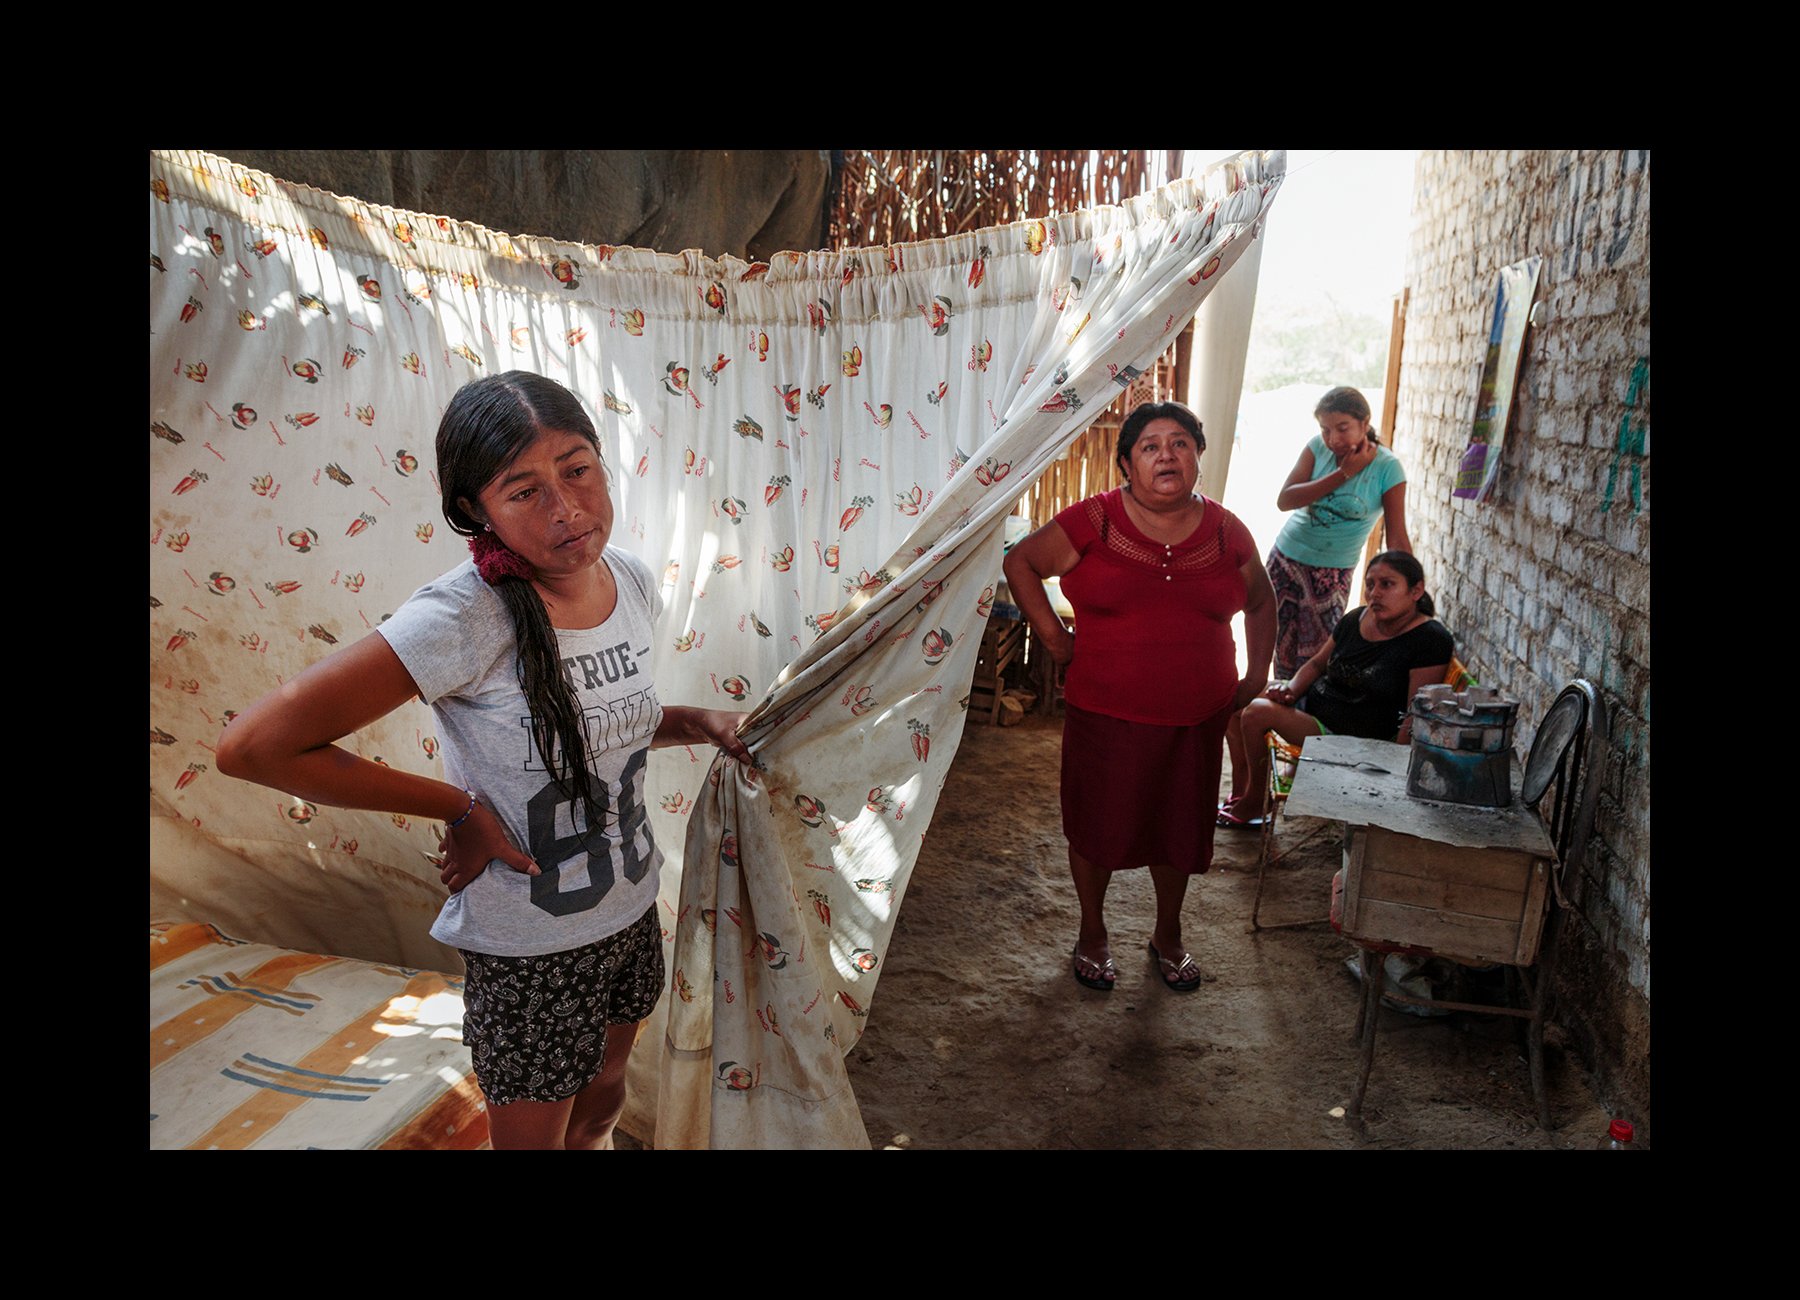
1309	601
537	1025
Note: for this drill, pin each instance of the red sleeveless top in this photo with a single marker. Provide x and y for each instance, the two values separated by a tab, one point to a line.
1153	636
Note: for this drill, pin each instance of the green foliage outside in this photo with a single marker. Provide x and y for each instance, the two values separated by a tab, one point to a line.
1320	344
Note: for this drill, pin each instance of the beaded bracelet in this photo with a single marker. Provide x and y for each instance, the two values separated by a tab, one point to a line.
467	814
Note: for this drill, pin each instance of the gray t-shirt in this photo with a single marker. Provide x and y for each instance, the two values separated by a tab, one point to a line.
456	639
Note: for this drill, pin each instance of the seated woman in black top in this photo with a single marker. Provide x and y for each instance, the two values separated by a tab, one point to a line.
1361	682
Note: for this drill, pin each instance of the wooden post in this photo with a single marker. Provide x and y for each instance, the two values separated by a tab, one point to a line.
1390	405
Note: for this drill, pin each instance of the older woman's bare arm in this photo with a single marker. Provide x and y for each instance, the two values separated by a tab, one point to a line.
1259	631
1047	553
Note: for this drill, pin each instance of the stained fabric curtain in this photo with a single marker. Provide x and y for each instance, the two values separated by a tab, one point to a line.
814	453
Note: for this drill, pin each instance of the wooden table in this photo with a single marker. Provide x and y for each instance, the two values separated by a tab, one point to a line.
1458	881
1450	877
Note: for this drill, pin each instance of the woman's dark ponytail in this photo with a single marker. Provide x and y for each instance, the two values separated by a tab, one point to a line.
485	427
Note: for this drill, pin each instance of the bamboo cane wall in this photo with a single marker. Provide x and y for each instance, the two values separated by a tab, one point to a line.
887	196
1089	466
892	196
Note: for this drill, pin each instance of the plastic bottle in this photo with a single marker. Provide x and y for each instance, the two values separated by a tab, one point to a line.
1618	1137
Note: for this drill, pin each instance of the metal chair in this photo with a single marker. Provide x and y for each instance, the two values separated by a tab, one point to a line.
1566	766
1283	759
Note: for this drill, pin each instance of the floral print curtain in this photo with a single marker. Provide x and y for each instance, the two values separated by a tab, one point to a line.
815	454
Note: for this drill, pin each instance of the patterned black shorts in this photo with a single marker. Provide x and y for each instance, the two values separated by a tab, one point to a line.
537	1025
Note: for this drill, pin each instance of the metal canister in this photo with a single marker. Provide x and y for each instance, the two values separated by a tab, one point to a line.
1462	746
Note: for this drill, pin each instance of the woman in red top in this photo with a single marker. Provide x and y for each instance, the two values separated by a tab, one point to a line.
1155	574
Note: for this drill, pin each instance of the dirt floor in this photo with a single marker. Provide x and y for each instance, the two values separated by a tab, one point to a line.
979	1039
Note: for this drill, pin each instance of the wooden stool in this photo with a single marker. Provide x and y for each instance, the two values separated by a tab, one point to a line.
1003	642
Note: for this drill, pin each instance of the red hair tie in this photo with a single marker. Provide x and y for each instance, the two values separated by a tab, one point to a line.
495	562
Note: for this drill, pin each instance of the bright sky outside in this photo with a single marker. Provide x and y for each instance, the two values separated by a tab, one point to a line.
1335	252
1338	229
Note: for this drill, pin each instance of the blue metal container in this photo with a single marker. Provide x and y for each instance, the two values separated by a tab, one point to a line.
1462	743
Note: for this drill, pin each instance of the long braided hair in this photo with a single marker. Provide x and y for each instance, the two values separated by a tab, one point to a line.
487	424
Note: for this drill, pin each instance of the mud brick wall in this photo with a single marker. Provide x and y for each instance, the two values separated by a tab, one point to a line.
1549	579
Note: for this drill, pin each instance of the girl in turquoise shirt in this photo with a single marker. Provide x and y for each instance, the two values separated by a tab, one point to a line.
1342	484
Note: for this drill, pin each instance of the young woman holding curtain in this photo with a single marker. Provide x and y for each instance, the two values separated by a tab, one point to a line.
535	657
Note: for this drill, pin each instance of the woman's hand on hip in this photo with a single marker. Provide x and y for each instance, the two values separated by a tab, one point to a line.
478	841
1060	648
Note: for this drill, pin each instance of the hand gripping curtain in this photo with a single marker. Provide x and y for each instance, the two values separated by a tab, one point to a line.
814	453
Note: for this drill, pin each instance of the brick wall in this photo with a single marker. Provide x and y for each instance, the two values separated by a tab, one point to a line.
1549	579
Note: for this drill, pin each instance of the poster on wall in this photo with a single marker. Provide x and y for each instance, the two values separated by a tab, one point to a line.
1499	376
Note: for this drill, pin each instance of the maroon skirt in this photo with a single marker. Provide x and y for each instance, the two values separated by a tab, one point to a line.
1135	794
